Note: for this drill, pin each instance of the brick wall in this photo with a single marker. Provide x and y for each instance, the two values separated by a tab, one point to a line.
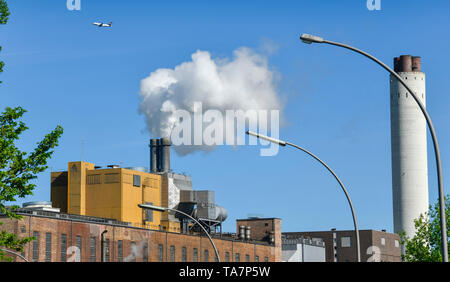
127	236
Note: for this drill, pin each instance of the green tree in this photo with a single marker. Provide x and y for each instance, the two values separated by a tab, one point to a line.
425	246
18	168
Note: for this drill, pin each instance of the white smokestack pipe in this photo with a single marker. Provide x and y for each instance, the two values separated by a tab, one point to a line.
409	146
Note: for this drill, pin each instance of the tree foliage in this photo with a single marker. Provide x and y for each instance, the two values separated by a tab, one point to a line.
425	246
18	168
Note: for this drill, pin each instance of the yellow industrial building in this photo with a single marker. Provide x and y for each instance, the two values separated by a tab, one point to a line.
114	193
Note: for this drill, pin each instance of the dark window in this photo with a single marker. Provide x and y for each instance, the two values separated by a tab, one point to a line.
92	249
145	252
133	251
195	255
172	253
206	255
63	247
183	254
36	246
160	252
237	257
227	256
120	250
79	245
148	213
247	258
266	259
136	180
256	258
48	247
107	255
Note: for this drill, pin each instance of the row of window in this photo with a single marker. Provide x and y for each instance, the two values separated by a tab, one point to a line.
108	178
195	255
406	95
346	242
75	252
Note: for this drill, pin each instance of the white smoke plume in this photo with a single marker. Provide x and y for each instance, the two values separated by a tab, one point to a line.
243	82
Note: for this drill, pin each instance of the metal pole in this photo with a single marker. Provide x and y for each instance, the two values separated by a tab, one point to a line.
206	232
102	243
444	247
358	246
14	253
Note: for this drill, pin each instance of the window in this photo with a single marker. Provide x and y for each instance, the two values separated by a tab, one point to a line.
63	247
346	242
133	251
397	244
195	254
136	180
48	247
183	254
36	246
237	257
256	258
266	259
92	249
206	255
227	257
148	216
247	258
383	241
107	256
79	242
93	179
172	253
120	250
145	252
160	252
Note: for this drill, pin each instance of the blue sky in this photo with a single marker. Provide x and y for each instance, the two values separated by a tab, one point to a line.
65	71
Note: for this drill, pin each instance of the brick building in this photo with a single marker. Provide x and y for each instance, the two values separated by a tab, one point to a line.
64	238
340	245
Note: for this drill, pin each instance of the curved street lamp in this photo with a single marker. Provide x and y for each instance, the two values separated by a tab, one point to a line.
308	39
163	209
14	253
284	143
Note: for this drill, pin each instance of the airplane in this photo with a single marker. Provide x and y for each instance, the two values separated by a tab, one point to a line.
103	24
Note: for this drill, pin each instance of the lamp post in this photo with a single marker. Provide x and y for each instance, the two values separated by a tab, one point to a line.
14	253
308	39
284	143
163	209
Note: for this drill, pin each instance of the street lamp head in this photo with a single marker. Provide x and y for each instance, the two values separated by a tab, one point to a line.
308	38
270	139
152	207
